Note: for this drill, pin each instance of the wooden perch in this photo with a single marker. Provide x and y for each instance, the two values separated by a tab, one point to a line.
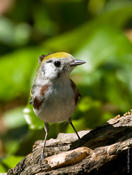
104	150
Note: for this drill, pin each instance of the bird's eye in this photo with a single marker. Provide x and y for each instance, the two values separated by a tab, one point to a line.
57	63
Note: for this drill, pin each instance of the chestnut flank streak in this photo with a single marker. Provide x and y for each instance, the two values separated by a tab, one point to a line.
43	89
76	92
36	103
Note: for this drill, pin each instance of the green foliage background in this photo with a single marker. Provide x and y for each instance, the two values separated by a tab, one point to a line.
92	30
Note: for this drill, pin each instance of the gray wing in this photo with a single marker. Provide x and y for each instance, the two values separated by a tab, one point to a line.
36	101
31	95
77	94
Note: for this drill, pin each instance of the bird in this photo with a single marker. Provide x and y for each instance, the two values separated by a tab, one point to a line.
54	95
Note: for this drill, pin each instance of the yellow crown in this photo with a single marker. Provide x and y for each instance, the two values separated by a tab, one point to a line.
59	55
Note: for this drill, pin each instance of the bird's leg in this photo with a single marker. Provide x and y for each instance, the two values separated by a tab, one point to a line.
74	128
46	127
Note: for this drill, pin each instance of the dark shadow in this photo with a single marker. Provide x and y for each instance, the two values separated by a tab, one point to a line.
103	136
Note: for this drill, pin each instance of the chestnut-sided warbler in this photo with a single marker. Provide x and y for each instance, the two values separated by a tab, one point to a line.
54	95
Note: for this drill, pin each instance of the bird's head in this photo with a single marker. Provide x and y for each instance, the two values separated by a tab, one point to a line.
57	64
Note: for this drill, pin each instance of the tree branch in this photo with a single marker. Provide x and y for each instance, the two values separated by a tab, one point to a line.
104	150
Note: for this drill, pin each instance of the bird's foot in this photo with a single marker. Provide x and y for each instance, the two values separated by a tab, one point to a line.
41	158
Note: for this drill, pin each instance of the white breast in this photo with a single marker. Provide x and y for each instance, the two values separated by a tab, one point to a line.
59	103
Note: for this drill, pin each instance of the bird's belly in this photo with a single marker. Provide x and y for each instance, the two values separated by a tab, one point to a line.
58	107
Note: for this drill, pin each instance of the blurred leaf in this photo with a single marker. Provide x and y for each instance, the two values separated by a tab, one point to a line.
87	103
22	34
13	138
78	124
2	168
95	6
14	118
43	22
6	30
73	40
33	121
16	71
108	54
12	34
105	43
12	145
9	162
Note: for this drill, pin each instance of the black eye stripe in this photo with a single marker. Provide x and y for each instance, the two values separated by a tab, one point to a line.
50	61
57	63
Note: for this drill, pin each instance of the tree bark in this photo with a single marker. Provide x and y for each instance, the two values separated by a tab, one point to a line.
104	150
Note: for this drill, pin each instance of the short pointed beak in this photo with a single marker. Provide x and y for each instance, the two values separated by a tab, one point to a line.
76	62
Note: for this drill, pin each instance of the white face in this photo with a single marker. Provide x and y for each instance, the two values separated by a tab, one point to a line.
55	68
